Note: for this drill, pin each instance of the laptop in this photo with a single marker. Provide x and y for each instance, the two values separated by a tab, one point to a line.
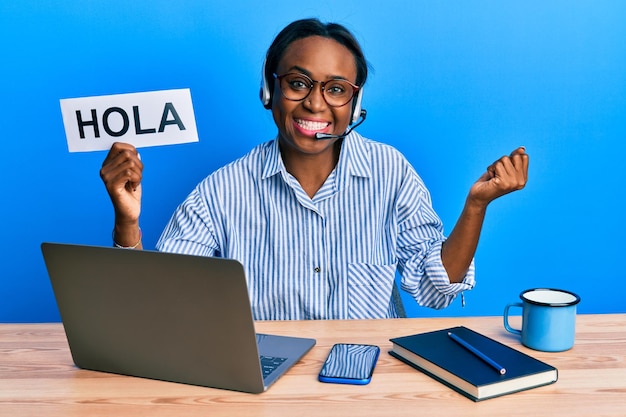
165	316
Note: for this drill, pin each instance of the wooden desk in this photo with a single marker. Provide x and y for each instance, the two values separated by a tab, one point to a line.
38	378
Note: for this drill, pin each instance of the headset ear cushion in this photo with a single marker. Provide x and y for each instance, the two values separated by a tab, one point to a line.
265	97
356	107
265	94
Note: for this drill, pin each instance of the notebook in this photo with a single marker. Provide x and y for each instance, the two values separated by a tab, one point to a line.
165	316
439	356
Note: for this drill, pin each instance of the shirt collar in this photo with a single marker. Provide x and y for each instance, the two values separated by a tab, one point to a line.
355	158
273	161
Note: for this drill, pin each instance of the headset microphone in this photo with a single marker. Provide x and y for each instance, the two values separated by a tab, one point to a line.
324	136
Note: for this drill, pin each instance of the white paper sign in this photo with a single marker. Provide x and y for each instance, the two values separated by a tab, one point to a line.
142	119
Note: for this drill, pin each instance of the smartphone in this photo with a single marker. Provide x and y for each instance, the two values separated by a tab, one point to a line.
350	364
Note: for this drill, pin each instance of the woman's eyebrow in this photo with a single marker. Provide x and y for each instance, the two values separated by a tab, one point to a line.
308	73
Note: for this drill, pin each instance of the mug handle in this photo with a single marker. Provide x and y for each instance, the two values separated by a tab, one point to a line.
506	318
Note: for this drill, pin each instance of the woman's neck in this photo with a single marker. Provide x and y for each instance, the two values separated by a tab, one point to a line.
311	170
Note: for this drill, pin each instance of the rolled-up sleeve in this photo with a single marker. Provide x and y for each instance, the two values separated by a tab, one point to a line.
434	288
190	230
420	238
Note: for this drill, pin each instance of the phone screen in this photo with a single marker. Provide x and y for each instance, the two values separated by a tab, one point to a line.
350	364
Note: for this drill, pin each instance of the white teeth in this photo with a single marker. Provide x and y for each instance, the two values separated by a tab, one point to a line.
310	125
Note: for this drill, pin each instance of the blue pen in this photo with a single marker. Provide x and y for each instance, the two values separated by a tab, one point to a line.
478	353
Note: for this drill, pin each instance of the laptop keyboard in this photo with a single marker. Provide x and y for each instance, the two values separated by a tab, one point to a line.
270	363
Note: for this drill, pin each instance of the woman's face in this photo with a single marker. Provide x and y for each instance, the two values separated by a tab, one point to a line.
321	59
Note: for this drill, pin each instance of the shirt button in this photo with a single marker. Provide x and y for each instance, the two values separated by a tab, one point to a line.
317	269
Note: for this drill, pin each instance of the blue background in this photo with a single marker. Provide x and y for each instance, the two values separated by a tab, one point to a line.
455	85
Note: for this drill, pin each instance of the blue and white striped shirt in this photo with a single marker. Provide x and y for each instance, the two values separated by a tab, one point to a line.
330	257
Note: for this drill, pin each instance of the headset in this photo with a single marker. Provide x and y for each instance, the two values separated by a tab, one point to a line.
266	98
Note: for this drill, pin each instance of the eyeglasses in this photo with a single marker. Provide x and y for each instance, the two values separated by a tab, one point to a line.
296	87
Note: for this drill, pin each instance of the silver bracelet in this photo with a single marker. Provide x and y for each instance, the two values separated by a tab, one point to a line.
117	245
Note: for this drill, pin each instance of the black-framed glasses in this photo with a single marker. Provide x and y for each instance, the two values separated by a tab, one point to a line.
296	86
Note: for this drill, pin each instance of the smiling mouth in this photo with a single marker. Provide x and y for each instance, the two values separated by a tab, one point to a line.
311	125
